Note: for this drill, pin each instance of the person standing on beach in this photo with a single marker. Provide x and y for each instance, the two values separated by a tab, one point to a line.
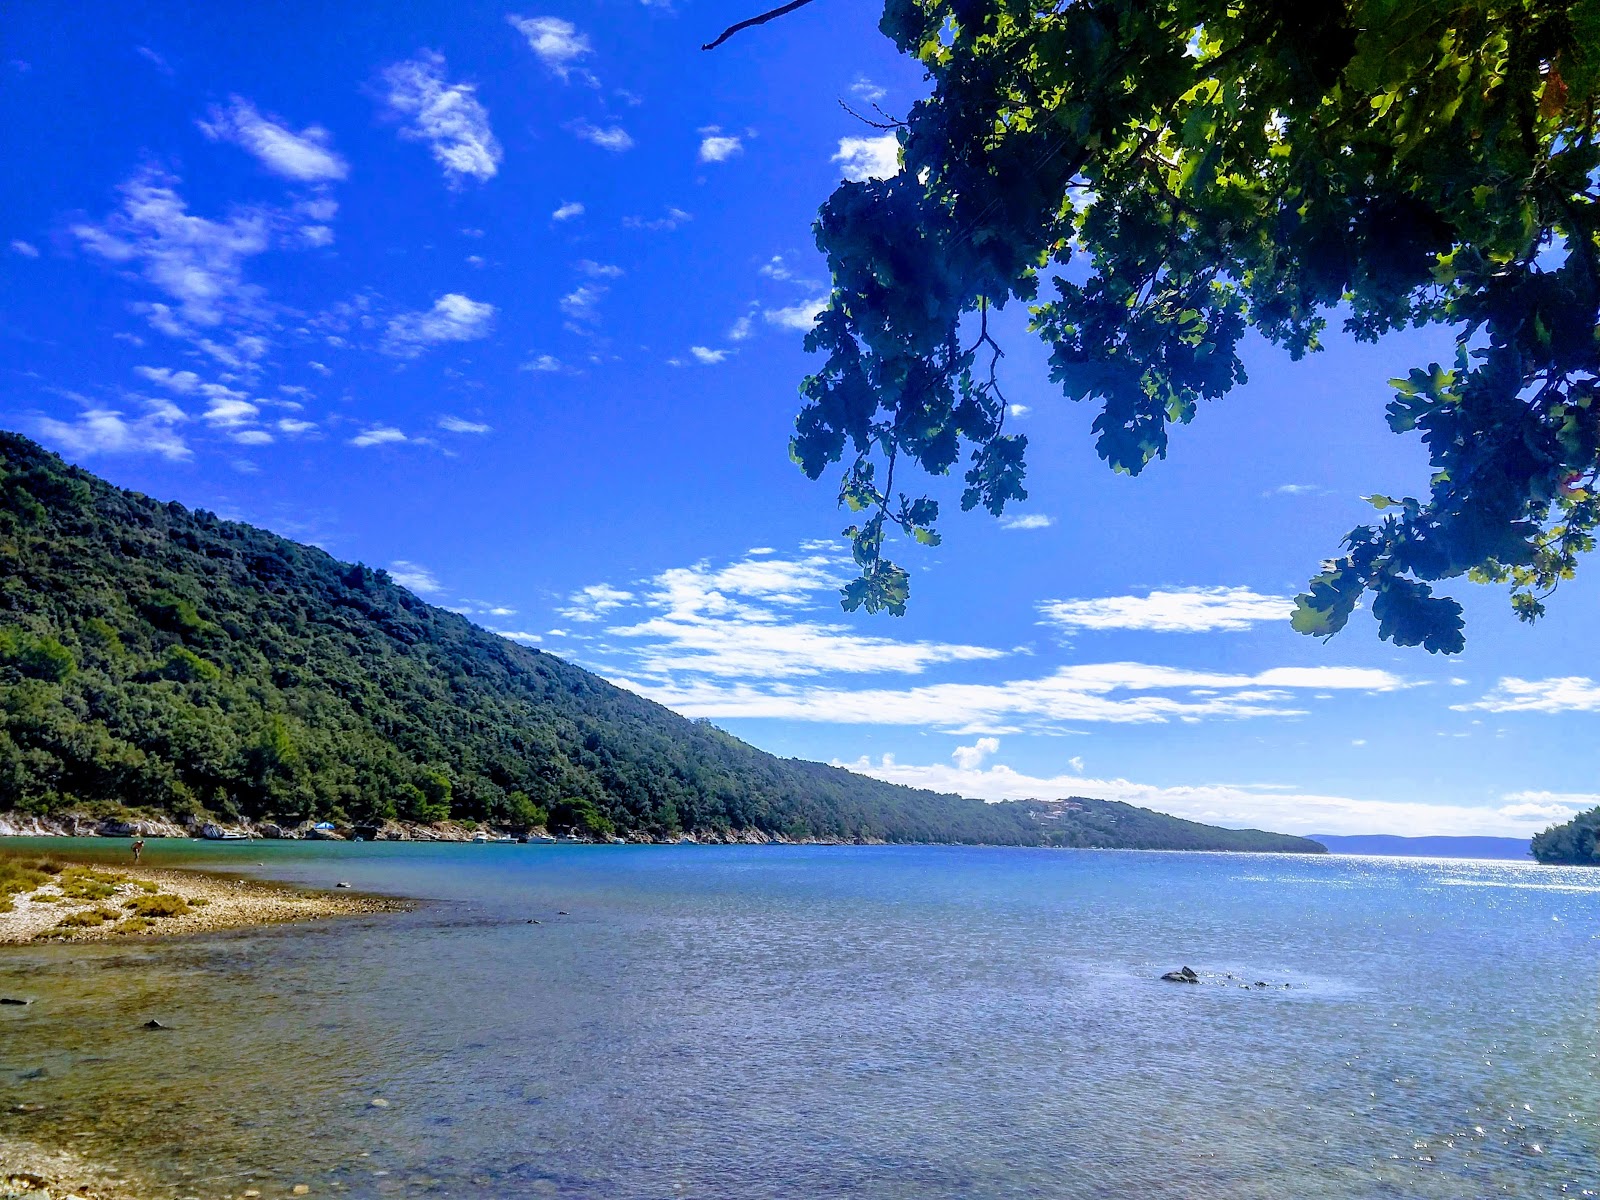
138	849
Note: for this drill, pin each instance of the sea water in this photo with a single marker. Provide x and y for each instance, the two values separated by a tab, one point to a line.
765	1021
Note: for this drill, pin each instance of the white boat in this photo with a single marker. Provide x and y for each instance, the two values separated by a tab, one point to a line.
216	833
539	838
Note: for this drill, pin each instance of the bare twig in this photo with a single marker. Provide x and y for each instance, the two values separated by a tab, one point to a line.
773	15
888	122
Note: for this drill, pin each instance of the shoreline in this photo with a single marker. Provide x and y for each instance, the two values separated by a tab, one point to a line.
90	902
31	1169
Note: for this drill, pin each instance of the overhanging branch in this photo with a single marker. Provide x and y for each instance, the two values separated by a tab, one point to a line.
773	15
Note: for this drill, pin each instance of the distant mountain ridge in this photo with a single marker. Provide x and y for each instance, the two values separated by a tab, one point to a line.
158	659
1426	847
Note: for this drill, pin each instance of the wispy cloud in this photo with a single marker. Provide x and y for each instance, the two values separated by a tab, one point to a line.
568	211
581	306
307	156
379	435
1026	521
592	603
26	249
447	116
194	261
748	620
1115	693
107	431
1175	610
557	42
453	318
863	158
673	219
1289	809
608	137
415	577
1565	693
456	425
707	356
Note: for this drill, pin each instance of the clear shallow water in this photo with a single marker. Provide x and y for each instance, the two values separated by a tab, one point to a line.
839	1022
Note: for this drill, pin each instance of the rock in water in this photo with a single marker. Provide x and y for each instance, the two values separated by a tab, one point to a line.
13	1000
341	885
1186	975
152	1023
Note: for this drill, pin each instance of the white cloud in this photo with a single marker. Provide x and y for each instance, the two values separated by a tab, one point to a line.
597	270
863	158
719	147
674	218
26	249
581	305
800	316
1294	489
567	211
741	620
740	330
307	156
1176	610
447	116
294	427
611	137
1284	809
1568	693
1027	521
195	261
252	437
519	636
557	43
415	577
456	425
592	603
185	383
776	268
379	435
108	431
1018	410
867	90
453	318
969	758
707	356
543	363
1115	693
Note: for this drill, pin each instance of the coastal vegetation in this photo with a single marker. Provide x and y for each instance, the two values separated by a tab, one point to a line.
163	660
1573	843
1158	180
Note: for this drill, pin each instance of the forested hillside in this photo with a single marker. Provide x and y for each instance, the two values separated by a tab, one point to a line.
164	659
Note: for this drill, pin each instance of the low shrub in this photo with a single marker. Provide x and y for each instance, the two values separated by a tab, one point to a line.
89	918
160	905
80	883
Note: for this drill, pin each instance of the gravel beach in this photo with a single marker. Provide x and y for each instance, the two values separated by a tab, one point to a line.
208	903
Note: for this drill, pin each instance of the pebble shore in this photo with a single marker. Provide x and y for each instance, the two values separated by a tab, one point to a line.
215	903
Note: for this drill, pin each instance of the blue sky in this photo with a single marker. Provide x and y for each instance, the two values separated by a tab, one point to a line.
511	301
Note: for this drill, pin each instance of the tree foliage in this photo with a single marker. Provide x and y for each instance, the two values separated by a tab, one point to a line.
1575	843
1155	178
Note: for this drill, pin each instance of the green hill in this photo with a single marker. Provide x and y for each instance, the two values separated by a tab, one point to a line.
161	659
